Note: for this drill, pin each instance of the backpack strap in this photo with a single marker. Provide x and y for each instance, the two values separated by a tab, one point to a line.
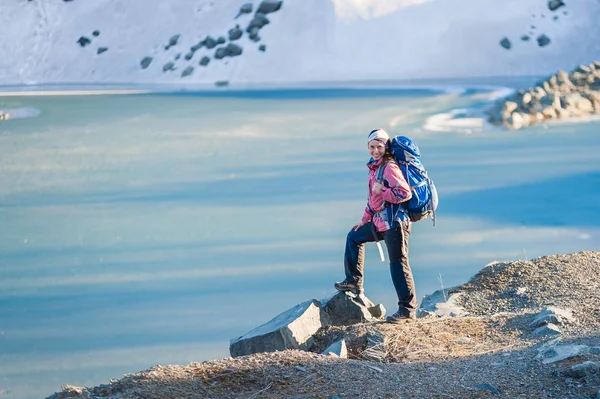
380	170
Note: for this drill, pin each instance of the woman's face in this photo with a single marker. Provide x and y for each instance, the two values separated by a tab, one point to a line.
376	149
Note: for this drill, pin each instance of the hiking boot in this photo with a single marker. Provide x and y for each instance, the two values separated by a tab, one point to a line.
349	285
400	317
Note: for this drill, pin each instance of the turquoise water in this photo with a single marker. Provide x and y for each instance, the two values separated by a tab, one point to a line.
151	229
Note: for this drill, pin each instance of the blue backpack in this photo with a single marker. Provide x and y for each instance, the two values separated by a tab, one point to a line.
424	199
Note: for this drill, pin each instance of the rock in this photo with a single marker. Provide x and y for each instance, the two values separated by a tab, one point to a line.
562	113
197	46
258	21
177	56
233	50
338	349
525	38
187	71
189	55
377	311
262	47
204	61
539	93
505	42
554	5
101	50
376	345
291	329
210	43
235	33
552	353
269	6
510	106
245	9
221	40
549	112
253	34
516	120
582	369
595	350
96	33
488	387
345	308
543	40
547	330
172	41
552	315
442	305
220	53
145	63
169	66
83	41
585	106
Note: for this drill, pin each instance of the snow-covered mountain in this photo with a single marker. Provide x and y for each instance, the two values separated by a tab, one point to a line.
133	41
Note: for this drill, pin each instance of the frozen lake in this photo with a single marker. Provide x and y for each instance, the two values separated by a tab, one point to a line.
152	228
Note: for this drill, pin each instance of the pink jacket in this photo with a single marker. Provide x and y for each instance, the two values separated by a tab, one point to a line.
383	209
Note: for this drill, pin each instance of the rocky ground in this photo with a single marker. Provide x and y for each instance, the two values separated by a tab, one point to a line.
500	346
562	96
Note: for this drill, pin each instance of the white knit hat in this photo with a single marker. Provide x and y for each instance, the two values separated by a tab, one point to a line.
378	134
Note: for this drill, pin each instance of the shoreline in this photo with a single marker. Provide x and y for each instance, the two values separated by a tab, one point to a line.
433	86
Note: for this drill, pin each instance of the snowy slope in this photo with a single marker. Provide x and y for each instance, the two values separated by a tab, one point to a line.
306	40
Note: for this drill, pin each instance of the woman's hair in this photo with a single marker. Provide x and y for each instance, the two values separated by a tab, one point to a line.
387	156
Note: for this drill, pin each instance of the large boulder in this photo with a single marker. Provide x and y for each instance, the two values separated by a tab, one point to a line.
345	308
291	329
294	328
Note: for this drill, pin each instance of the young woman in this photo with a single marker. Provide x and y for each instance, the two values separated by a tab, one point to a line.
384	219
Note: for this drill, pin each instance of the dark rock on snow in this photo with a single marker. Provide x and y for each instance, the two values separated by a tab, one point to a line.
506	43
269	6
235	33
83	41
145	63
204	61
555	4
245	9
258	21
169	66
210	42
187	71
543	40
172	41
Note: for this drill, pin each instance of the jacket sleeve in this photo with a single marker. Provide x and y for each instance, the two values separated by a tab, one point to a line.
367	215
397	190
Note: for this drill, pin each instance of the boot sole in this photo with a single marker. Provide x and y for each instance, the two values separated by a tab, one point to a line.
352	290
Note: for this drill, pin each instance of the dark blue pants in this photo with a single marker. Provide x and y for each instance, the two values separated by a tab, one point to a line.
396	241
